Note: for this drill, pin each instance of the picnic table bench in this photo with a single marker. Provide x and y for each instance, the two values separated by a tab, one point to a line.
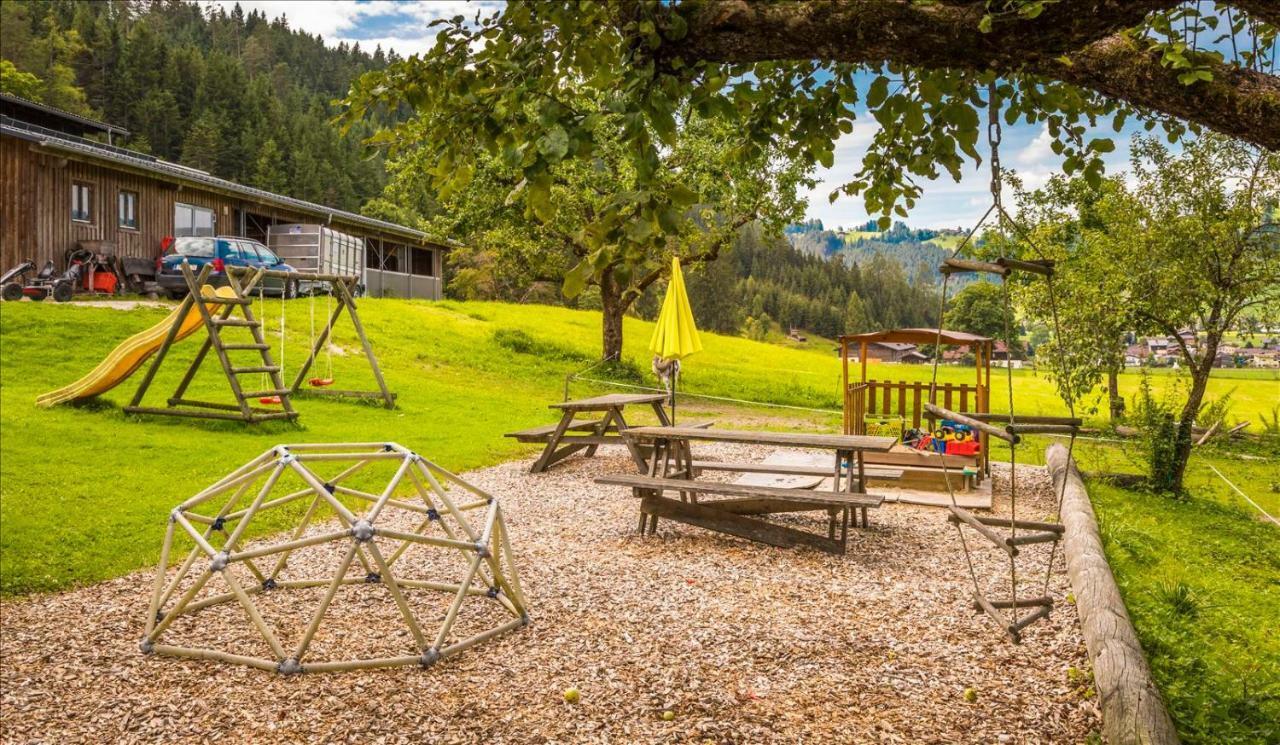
735	511
570	435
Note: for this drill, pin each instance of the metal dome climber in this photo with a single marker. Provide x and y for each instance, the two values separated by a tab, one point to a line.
480	580
1004	533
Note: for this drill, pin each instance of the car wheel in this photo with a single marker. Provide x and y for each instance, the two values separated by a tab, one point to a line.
176	294
62	292
12	292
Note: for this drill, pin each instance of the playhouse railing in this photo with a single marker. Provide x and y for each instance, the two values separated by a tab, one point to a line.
906	400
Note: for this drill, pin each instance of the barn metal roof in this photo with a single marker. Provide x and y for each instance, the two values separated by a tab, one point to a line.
80	147
83	123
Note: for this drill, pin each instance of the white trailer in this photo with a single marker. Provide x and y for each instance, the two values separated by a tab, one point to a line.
318	249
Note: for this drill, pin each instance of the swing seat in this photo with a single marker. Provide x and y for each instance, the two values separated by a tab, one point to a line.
320	382
270	400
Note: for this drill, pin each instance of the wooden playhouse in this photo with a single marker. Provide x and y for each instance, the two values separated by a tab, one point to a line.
868	400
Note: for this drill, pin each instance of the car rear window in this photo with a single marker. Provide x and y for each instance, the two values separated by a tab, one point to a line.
195	247
266	254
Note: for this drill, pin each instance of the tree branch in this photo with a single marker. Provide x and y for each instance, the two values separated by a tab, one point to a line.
1238	102
1266	11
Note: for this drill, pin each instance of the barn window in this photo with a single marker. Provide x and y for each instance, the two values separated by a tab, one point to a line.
423	265
191	220
128	210
81	198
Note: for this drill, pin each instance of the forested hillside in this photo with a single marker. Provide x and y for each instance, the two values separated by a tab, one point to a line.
763	280
918	251
238	95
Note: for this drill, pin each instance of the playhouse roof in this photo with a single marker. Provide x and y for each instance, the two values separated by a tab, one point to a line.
916	336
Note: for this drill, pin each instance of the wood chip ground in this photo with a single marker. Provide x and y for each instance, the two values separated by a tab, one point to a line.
743	643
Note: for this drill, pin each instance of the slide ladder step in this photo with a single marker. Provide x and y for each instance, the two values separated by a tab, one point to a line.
245	347
239	322
266	394
255	369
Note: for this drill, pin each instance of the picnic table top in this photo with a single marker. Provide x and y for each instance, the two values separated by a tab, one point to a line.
752	437
610	400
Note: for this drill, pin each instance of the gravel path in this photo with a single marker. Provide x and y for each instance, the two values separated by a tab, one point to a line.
741	642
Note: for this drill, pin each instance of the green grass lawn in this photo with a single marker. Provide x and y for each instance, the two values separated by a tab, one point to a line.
1201	579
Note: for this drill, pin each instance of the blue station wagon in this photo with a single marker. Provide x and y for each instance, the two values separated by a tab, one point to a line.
221	252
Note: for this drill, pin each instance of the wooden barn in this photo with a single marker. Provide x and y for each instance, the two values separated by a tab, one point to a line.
61	188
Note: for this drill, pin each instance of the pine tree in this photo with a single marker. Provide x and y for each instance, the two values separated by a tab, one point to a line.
203	145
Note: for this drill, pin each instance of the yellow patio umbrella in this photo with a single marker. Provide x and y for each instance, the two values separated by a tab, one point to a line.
676	335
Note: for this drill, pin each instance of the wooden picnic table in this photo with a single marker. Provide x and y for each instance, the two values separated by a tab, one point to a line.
672	469
568	436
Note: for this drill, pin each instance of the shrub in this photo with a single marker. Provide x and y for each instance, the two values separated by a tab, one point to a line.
1216	410
1158	435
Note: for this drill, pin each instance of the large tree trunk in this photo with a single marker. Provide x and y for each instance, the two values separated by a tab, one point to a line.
1200	372
612	308
1114	398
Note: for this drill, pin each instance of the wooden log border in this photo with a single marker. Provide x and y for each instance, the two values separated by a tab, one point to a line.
1133	711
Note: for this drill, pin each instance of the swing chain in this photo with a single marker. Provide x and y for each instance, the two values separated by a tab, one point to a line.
994	135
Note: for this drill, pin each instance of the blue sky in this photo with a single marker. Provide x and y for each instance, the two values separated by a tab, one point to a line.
403	26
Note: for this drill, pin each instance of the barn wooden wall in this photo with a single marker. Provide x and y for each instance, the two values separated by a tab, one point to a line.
35	207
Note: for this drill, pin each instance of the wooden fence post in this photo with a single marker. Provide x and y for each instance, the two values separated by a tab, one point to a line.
1132	709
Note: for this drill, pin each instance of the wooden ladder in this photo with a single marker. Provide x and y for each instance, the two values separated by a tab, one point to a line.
215	322
1006	611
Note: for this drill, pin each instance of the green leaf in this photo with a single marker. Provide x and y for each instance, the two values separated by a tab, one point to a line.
878	91
985	27
554	144
539	196
575	280
669	220
1102	145
681	195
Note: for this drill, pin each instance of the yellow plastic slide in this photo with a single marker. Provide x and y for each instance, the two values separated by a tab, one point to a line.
125	359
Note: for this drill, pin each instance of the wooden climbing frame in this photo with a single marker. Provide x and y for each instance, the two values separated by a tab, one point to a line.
217	315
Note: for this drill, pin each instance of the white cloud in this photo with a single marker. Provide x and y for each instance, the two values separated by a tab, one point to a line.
1037	151
401	25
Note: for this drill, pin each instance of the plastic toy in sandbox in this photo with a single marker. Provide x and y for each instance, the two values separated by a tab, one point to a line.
425	572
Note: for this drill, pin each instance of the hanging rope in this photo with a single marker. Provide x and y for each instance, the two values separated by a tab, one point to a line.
1006	224
262	313
328	343
282	333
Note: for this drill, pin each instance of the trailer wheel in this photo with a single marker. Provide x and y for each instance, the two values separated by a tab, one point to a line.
36	293
11	292
62	292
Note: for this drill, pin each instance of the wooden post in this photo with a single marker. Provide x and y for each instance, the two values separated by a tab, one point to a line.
1132	708
844	382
